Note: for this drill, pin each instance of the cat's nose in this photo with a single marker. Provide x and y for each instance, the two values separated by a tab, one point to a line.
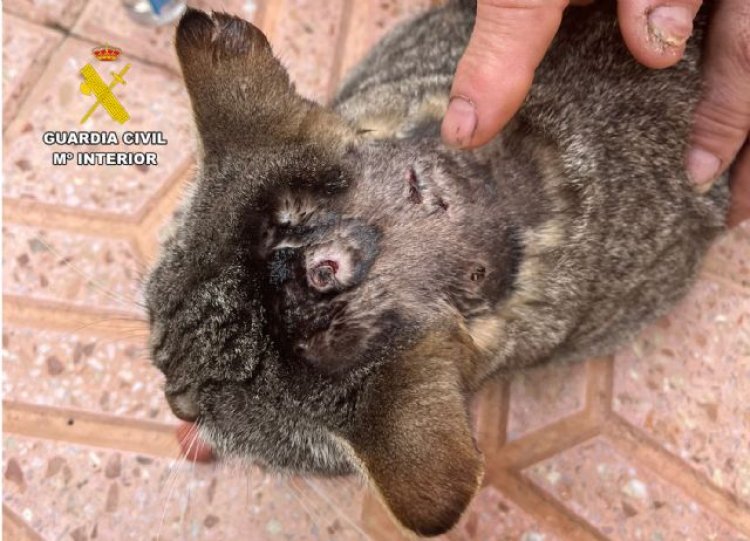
184	404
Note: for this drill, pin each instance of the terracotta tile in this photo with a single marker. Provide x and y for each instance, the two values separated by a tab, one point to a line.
543	395
489	517
61	13
370	20
26	49
730	256
304	35
155	99
624	500
153	44
492	517
682	382
686	382
63	489
111	375
81	270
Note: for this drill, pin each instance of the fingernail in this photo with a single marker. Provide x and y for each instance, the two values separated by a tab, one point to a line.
460	121
702	166
670	26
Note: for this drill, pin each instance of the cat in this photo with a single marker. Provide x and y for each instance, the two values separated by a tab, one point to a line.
338	283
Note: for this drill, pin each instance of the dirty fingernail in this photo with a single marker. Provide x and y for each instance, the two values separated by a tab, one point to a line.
460	121
670	26
702	166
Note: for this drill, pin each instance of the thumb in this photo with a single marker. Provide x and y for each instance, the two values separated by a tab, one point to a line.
494	75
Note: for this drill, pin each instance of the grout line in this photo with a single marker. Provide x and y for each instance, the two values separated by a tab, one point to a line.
146	234
75	33
492	417
670	469
547	441
26	312
15	528
23	112
79	17
49	216
88	428
546	510
33	81
599	385
378	522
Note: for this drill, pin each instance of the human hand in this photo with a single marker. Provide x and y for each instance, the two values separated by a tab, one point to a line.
510	39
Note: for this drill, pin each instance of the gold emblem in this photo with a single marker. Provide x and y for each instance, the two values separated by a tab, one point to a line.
94	84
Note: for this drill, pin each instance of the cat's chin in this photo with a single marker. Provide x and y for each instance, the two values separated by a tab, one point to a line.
192	446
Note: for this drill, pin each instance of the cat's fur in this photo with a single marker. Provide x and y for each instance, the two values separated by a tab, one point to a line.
339	282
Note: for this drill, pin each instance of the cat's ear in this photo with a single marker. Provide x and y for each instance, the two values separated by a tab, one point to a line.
414	439
240	92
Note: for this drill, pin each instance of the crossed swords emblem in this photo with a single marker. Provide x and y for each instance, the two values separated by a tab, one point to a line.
94	84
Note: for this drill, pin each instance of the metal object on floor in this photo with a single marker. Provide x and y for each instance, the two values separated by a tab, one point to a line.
155	12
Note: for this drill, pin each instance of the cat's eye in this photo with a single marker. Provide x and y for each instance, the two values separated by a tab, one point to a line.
323	275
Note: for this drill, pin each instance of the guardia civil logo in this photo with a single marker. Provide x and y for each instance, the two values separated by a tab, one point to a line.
106	109
93	85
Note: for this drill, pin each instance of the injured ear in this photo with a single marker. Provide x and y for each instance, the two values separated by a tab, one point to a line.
414	438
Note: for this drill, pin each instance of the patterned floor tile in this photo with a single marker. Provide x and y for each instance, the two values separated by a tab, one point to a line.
111	375
82	493
26	49
305	35
152	44
543	395
159	103
623	500
55	13
492	517
730	256
685	382
80	270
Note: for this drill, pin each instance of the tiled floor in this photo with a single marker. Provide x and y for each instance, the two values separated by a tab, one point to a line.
652	444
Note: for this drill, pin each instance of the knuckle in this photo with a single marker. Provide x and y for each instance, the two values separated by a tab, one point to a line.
720	127
741	51
735	19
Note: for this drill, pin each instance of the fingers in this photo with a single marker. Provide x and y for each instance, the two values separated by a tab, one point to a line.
722	118
494	75
740	209
656	31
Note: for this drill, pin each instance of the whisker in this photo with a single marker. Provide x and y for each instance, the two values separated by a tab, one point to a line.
91	280
324	496
308	507
173	478
137	323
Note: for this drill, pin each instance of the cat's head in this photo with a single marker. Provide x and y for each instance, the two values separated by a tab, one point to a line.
301	311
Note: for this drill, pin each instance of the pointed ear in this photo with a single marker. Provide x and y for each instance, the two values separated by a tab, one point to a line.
240	92
414	438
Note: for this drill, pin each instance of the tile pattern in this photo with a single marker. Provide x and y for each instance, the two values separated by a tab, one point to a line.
650	444
26	50
57	105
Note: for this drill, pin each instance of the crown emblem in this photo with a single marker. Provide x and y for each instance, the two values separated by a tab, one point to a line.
106	53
